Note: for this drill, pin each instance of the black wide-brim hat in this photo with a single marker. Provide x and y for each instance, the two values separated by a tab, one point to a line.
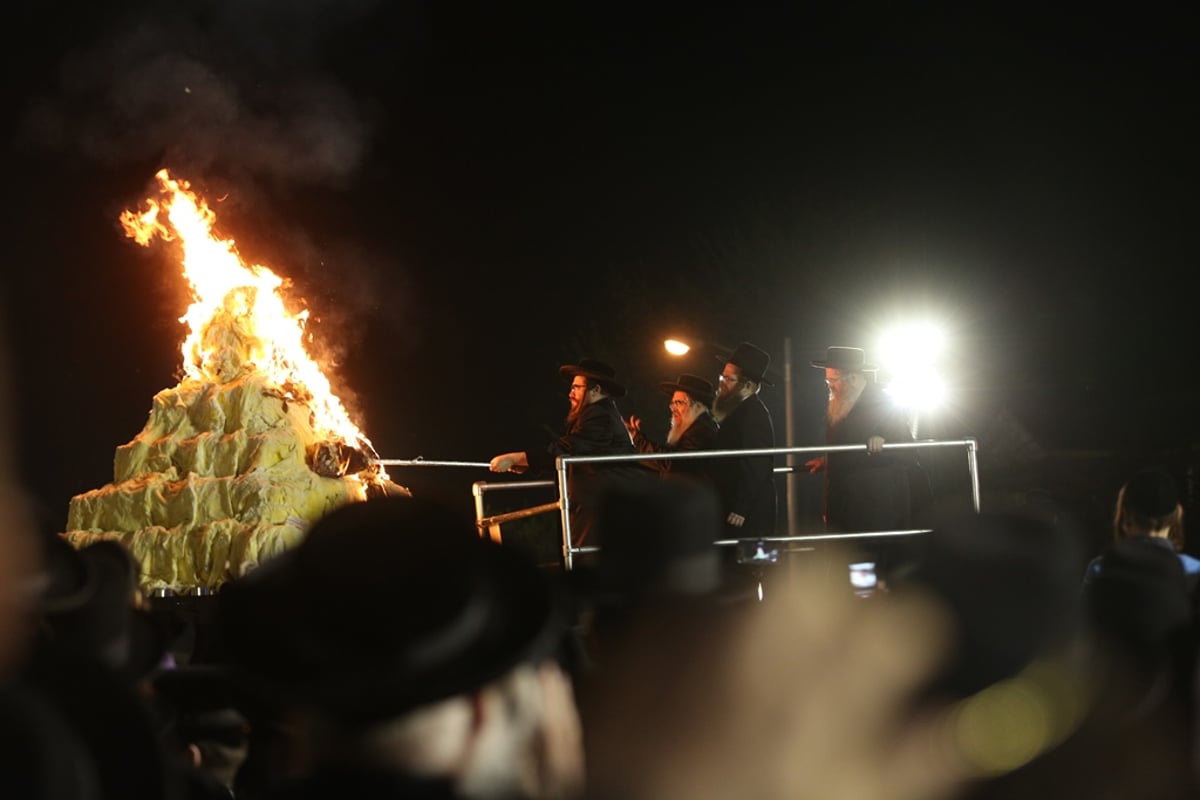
693	385
845	359
752	361
596	371
87	607
386	606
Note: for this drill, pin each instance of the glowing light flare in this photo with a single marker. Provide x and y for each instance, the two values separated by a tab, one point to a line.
924	391
245	302
677	347
910	356
912	346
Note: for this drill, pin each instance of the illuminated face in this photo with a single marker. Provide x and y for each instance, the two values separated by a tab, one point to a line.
681	404
578	393
729	381
836	380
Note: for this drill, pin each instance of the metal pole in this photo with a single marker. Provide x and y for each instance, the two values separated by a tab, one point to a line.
973	464
420	462
493	530
789	416
561	466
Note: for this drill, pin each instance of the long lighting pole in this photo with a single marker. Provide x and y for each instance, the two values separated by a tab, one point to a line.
789	433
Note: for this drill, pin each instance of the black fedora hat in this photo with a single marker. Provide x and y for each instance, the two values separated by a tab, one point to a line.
596	371
87	606
846	359
387	605
752	361
693	385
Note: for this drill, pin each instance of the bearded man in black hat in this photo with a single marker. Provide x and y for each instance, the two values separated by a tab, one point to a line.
693	428
594	427
746	484
872	490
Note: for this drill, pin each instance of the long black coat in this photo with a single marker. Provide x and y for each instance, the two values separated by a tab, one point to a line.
700	435
746	485
871	492
599	430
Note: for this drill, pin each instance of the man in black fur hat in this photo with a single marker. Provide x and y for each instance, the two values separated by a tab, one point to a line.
693	428
594	427
745	484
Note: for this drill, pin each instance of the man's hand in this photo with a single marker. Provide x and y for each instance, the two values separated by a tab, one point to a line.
735	519
510	462
875	445
633	425
815	465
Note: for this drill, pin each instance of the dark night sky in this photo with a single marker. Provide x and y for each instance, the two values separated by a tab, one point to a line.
468	198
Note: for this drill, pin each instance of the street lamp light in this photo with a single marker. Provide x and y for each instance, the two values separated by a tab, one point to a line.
677	347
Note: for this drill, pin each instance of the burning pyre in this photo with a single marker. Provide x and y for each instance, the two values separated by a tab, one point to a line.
253	445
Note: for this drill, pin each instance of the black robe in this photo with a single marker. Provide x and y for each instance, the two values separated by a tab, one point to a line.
700	435
599	430
871	492
746	484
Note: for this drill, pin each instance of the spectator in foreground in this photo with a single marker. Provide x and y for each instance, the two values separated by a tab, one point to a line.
416	659
1148	508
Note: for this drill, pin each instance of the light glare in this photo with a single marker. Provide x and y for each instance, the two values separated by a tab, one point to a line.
676	347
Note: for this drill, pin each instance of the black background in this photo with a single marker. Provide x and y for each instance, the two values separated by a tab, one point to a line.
467	197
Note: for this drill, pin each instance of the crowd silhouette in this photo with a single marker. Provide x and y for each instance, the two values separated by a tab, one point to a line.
395	653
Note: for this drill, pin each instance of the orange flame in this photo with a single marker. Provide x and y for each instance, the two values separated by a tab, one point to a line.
253	329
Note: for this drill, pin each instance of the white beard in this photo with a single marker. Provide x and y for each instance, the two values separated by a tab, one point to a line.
840	406
677	431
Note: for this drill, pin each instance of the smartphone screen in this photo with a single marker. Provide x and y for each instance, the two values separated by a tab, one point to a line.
862	578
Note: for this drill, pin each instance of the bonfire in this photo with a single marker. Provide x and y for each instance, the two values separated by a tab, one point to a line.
251	447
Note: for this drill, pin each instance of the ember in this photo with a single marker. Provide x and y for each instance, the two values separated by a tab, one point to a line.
252	445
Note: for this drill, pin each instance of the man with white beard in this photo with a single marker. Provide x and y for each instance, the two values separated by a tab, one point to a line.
746	484
864	491
692	428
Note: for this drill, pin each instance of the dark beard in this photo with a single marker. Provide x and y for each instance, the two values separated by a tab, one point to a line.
724	405
574	415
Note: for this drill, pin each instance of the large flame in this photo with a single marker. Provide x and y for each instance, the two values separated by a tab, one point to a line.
233	301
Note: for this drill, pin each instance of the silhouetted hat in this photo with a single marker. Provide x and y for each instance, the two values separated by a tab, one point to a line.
596	371
87	607
752	361
846	359
1151	493
387	605
693	385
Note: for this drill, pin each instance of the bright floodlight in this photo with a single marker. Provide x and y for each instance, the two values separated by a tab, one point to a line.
676	347
911	347
910	356
922	391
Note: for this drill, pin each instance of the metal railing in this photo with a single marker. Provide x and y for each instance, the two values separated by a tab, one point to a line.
563	504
